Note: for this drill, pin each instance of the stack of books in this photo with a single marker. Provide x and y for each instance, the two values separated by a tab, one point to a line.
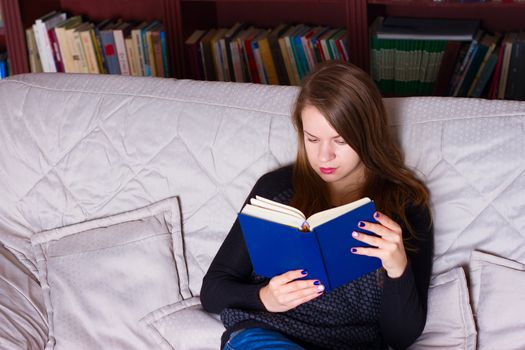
4	65
491	66
60	44
407	53
282	55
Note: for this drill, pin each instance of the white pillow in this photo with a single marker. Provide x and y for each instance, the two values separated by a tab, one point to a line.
102	276
498	300
185	325
450	323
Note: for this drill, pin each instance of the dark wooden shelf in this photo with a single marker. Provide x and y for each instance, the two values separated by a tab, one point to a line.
322	2
182	17
448	4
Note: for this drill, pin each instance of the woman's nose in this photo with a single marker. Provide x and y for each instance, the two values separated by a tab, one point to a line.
326	152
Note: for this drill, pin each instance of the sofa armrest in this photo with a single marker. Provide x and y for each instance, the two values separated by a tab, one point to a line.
22	312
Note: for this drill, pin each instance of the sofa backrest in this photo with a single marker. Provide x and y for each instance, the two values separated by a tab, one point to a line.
79	147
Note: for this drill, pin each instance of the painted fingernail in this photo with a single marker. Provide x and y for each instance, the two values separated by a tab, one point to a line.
353	250
317	283
361	224
304	272
320	288
355	234
376	215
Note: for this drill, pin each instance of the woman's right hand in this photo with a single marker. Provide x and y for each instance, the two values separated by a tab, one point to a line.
284	292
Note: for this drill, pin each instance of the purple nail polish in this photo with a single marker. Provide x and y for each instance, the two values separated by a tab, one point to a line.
304	272
376	215
317	283
353	250
361	224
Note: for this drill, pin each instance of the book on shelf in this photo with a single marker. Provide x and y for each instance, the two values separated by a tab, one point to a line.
108	46
4	65
32	51
427	29
279	238
64	43
194	54
122	32
40	29
515	89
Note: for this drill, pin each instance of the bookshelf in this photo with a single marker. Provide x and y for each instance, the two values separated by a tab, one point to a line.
182	17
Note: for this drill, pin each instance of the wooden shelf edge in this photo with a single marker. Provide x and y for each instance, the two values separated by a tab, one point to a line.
447	4
271	1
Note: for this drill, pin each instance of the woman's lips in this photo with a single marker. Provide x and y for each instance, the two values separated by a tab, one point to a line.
328	170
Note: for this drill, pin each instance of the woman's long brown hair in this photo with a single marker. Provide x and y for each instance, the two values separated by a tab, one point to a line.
352	104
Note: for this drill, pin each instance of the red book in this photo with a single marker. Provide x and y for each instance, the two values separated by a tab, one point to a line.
56	50
446	69
252	65
493	90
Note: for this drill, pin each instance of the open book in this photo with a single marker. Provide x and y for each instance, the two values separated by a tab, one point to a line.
280	238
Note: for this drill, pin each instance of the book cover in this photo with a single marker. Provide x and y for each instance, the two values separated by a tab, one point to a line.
207	55
485	74
138	47
490	41
120	33
70	65
446	68
156	43
507	42
194	54
109	47
427	29
286	56
76	40
34	58
278	59
324	251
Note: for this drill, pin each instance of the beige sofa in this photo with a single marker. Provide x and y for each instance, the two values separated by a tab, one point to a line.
117	192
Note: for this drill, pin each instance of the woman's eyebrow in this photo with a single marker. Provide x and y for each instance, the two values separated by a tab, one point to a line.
311	135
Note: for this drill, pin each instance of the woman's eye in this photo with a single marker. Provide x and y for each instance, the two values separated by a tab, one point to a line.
340	142
312	140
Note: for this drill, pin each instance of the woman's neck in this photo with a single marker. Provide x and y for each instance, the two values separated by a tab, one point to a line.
344	195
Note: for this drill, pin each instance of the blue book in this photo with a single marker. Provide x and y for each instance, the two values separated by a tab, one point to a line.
279	239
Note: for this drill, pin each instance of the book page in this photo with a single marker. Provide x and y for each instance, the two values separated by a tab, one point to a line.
273	216
329	214
269	204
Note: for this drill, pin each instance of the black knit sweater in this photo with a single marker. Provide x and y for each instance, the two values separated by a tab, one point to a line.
371	312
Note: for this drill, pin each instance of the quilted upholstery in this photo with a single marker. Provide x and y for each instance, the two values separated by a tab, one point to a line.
78	147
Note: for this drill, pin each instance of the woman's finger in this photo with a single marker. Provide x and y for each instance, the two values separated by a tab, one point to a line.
387	222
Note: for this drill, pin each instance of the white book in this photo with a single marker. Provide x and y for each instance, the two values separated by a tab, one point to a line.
42	25
119	34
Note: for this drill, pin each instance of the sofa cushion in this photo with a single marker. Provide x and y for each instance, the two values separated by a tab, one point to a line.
102	276
23	316
185	325
497	288
90	146
450	324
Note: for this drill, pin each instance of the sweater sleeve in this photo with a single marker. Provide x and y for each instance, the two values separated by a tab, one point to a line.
228	282
404	302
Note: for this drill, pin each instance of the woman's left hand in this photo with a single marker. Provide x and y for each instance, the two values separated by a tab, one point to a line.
389	244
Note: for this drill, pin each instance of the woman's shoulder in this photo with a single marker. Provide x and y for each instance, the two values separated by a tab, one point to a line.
275	180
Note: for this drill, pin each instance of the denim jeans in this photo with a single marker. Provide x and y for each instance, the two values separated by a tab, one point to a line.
259	339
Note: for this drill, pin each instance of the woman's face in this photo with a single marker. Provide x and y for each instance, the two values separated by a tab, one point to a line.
328	153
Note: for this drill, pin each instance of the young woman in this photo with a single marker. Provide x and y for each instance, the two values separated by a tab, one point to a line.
345	152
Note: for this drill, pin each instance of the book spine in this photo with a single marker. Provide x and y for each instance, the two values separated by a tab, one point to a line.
122	55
